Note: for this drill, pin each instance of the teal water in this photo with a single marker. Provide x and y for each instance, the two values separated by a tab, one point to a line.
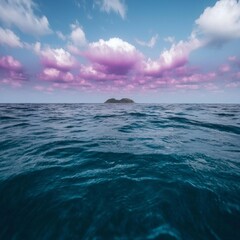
115	171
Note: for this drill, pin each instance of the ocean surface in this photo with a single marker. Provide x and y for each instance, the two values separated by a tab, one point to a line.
119	171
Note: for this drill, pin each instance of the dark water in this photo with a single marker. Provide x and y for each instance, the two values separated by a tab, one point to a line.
85	171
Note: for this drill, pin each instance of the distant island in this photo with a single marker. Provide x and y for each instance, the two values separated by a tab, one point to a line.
123	100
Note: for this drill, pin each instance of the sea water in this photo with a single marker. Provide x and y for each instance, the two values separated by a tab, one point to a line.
119	171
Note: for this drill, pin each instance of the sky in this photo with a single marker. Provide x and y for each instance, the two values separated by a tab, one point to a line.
152	51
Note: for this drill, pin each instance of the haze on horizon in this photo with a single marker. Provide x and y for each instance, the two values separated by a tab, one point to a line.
165	51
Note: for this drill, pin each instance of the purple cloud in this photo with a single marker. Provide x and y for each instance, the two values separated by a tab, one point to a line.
114	56
176	57
10	64
57	58
57	64
52	74
11	71
115	64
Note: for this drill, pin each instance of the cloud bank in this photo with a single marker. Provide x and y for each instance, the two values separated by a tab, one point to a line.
115	64
20	13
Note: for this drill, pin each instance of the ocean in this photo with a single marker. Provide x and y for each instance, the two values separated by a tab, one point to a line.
119	171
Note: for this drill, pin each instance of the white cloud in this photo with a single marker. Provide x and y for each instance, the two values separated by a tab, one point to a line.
169	39
112	45
172	58
221	22
7	37
61	35
76	39
114	56
21	14
56	58
179	52
116	6
77	35
37	47
151	43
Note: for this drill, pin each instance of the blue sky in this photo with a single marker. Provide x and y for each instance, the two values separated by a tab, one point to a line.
148	50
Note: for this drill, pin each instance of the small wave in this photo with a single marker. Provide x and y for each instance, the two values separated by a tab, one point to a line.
107	116
7	118
215	126
225	115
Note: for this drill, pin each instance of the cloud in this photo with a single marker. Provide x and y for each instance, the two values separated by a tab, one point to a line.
178	53
10	64
52	74
231	71
151	43
76	39
187	86
77	35
234	61
11	72
211	87
57	58
116	6
224	68
221	22
233	85
116	64
232	58
57	64
169	39
113	56
20	13
61	35
199	77
8	37
93	74
173	58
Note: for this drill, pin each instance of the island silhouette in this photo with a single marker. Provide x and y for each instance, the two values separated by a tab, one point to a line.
123	100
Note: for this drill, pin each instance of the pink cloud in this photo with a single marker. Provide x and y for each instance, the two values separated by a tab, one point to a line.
224	68
237	75
234	61
114	56
118	63
115	64
57	58
211	87
57	64
233	85
232	58
9	63
11	72
52	74
96	74
176	57
188	86
199	77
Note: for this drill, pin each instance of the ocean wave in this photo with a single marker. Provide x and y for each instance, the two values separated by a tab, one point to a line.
142	171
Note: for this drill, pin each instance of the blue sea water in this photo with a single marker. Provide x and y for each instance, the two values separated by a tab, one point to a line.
119	171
